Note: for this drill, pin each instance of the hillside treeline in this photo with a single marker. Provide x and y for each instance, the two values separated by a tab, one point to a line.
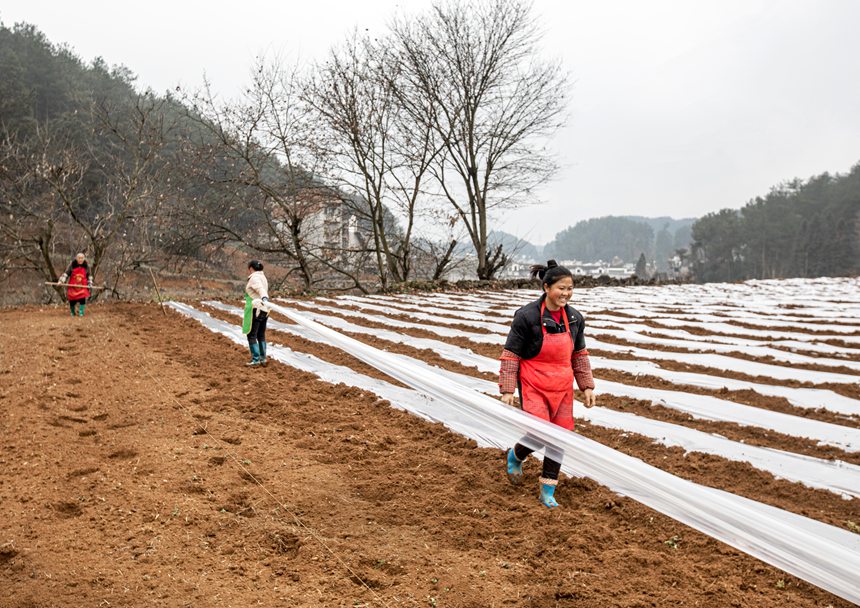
337	173
800	229
627	238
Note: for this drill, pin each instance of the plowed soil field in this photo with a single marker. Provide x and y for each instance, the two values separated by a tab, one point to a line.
142	464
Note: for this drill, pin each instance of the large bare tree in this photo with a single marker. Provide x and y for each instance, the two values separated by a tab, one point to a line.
260	168
375	148
471	72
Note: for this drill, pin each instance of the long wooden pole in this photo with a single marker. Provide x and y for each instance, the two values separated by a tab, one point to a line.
157	293
78	286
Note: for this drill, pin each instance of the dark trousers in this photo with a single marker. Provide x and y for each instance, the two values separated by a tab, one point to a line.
551	460
258	327
73	303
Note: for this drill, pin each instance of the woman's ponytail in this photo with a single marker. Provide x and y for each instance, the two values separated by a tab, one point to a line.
549	273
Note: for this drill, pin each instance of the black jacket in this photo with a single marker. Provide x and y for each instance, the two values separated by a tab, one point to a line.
526	337
74	265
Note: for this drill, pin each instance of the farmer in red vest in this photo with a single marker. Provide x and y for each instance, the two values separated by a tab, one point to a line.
80	281
544	352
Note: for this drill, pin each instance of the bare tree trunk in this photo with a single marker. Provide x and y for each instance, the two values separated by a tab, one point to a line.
470	73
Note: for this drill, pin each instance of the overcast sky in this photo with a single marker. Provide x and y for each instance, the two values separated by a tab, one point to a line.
678	107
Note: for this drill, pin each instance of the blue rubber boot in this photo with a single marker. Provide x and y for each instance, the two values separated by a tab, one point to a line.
546	495
255	355
81	310
262	354
515	468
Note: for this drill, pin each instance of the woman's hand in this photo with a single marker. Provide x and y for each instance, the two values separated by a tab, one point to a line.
509	399
588	398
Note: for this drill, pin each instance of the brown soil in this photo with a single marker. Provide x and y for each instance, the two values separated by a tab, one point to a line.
143	464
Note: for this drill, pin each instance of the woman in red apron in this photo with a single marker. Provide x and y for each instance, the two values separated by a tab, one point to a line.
544	353
80	283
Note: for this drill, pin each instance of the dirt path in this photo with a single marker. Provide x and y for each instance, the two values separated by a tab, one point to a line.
133	444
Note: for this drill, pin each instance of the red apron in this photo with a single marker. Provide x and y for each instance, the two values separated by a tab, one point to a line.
78	277
546	381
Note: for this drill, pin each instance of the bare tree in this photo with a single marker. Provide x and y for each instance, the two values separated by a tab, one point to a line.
470	72
29	217
257	156
88	190
111	185
376	150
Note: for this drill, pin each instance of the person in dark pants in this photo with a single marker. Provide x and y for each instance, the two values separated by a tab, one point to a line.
256	313
544	352
80	281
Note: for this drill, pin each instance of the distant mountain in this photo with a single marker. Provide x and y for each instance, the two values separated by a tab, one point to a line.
626	237
515	245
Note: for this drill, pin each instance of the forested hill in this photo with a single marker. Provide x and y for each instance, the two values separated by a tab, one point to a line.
800	229
626	237
41	81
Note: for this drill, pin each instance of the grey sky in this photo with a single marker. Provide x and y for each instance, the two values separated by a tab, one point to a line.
678	108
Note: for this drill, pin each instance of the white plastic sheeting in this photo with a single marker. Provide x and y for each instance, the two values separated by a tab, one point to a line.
699	406
816	552
820	554
736	334
421	314
810	398
445	332
773	336
631	335
835	476
753	368
711	408
741	344
722	333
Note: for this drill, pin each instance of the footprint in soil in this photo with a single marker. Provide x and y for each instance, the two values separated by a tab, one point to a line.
7	553
249	478
284	543
123	454
239	504
87	433
68	509
217	461
82	472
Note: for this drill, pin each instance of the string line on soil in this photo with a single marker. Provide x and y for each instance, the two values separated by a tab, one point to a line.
298	521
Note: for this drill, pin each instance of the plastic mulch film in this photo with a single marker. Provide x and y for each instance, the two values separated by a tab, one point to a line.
832	475
816	552
704	407
438	324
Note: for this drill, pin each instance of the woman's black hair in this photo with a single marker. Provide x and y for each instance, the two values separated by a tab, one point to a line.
257	265
551	273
